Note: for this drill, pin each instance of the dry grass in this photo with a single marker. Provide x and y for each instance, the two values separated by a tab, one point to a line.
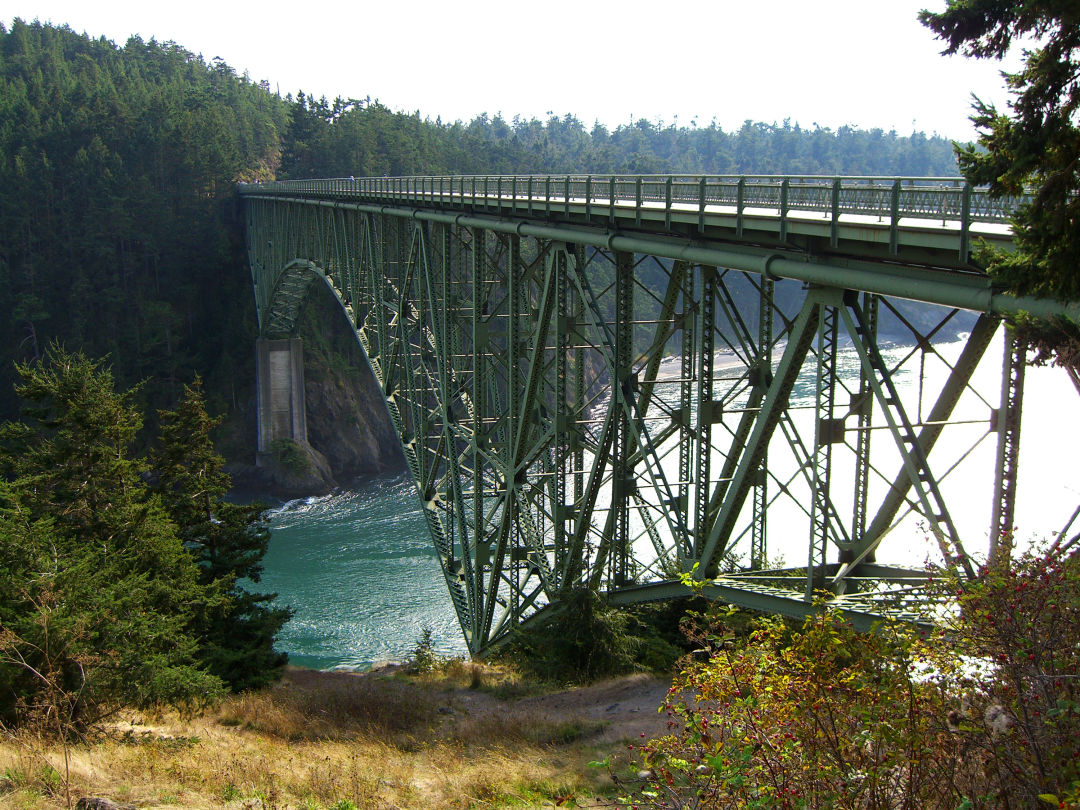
499	680
310	706
326	740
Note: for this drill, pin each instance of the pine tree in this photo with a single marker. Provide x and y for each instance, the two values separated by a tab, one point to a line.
226	540
96	589
1036	147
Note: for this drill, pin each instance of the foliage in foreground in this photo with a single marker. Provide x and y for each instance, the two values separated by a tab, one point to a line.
115	594
97	591
323	740
984	714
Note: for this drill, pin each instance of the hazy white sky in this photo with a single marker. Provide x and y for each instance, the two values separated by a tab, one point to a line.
868	63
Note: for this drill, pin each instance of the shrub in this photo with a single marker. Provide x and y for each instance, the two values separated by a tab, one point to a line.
821	717
289	456
424	658
985	713
1016	723
587	639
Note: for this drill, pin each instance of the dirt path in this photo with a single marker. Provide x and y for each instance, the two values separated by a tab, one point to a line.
618	709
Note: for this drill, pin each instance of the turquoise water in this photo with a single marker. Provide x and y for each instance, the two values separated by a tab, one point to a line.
359	570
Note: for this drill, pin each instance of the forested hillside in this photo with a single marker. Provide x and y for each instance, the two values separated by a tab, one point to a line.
119	233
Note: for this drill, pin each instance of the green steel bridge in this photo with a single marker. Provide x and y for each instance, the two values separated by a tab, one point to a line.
618	381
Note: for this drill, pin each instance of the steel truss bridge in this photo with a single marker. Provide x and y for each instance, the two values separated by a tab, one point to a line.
613	382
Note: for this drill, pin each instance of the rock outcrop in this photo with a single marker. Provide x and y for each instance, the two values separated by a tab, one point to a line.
349	431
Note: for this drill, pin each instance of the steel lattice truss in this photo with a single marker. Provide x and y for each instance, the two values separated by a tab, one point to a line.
578	415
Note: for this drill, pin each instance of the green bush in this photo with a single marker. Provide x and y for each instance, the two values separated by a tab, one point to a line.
424	658
290	457
983	714
585	639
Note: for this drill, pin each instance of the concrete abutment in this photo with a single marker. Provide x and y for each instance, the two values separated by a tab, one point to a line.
279	385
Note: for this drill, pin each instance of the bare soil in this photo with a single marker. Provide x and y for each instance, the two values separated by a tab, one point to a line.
610	711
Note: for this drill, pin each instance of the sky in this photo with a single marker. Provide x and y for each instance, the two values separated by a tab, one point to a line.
865	63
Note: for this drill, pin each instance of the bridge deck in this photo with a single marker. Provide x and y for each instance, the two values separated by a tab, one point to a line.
929	221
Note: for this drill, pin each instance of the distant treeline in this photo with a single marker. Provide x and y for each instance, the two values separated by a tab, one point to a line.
118	226
364	138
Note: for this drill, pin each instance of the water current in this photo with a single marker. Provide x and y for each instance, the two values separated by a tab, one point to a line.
359	570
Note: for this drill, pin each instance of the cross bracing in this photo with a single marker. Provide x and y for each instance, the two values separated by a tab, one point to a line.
610	382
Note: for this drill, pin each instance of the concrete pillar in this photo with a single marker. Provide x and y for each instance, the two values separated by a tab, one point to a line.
279	386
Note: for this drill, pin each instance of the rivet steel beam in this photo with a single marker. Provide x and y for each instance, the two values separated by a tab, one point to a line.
583	396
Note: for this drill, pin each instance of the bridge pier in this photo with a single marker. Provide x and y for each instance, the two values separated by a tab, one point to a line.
279	387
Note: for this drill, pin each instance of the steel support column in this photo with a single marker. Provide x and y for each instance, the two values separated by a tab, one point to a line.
1007	427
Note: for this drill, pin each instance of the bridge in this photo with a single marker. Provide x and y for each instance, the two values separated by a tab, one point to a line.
621	382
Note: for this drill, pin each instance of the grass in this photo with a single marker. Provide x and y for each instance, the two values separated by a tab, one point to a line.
451	738
500	681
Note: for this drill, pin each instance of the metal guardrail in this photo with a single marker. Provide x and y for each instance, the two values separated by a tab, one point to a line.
888	199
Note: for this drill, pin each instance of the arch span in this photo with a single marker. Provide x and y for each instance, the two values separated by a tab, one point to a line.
577	411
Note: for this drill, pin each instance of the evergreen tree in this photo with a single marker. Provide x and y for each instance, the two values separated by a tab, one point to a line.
96	590
1037	146
117	233
226	540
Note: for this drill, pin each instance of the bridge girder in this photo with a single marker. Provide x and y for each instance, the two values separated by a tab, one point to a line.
586	409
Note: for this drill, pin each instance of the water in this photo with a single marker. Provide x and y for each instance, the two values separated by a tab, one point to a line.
360	572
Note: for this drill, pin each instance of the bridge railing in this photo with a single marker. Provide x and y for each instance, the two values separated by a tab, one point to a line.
887	199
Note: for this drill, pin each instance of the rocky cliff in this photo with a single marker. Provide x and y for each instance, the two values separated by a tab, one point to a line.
350	435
